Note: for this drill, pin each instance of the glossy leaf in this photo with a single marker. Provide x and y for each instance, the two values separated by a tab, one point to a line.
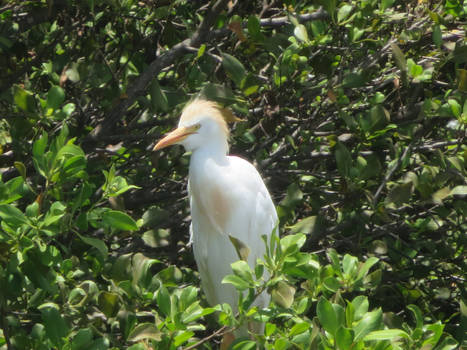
145	331
55	97
283	294
234	68
119	220
327	316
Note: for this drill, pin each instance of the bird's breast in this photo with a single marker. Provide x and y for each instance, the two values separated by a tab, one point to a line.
213	206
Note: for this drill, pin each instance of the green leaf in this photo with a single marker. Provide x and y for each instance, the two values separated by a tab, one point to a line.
238	282
108	303
201	51
349	265
39	146
292	243
242	269
293	197
159	100
448	343
400	194
369	322
119	220
96	243
70	150
344	338
12	190
460	54
55	325
435	331
283	294
24	99
299	328
417	313
73	73
331	283
307	225
163	300
460	190
244	345
254	28
343	159
301	33
363	270
55	97
437	36
353	80
356	33
378	117
441	194
399	57
218	93
234	68
326	316
82	339
414	69
183	337
343	12
243	251
12	215
194	312
455	107
385	4
386	334
55	213
21	169
144	331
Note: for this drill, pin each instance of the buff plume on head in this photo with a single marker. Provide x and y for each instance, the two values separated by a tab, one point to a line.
201	106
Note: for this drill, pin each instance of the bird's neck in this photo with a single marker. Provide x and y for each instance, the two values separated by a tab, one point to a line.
215	150
211	153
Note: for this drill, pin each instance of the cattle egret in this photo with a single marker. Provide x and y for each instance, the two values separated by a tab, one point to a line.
227	197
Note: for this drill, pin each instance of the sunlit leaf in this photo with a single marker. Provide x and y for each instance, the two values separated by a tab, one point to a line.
96	243
55	97
327	316
283	294
243	251
145	331
119	220
369	322
386	334
234	68
55	325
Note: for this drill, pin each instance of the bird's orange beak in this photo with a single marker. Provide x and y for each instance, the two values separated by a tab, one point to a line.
175	136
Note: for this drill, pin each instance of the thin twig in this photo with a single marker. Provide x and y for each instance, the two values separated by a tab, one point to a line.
219	332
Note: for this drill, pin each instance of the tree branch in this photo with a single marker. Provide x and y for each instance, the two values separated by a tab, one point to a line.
203	34
280	21
166	59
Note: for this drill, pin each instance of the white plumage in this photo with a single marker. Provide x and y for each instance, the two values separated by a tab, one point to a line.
227	197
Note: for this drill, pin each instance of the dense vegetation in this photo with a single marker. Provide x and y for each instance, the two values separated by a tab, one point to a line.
354	112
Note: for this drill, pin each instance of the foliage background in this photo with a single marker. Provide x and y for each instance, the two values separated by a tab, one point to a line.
354	112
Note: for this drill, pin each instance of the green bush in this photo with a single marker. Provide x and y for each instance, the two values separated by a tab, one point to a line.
355	113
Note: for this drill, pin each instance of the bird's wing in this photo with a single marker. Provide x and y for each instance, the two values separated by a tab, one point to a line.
229	199
190	241
254	202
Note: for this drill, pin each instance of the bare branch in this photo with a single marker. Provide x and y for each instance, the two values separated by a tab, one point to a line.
306	17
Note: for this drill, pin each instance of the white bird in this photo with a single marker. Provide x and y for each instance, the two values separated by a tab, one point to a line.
227	197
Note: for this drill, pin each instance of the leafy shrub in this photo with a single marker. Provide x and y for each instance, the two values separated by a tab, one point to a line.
355	114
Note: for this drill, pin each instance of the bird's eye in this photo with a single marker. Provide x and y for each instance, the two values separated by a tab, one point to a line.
197	126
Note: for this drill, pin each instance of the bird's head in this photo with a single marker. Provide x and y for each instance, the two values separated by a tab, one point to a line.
202	124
